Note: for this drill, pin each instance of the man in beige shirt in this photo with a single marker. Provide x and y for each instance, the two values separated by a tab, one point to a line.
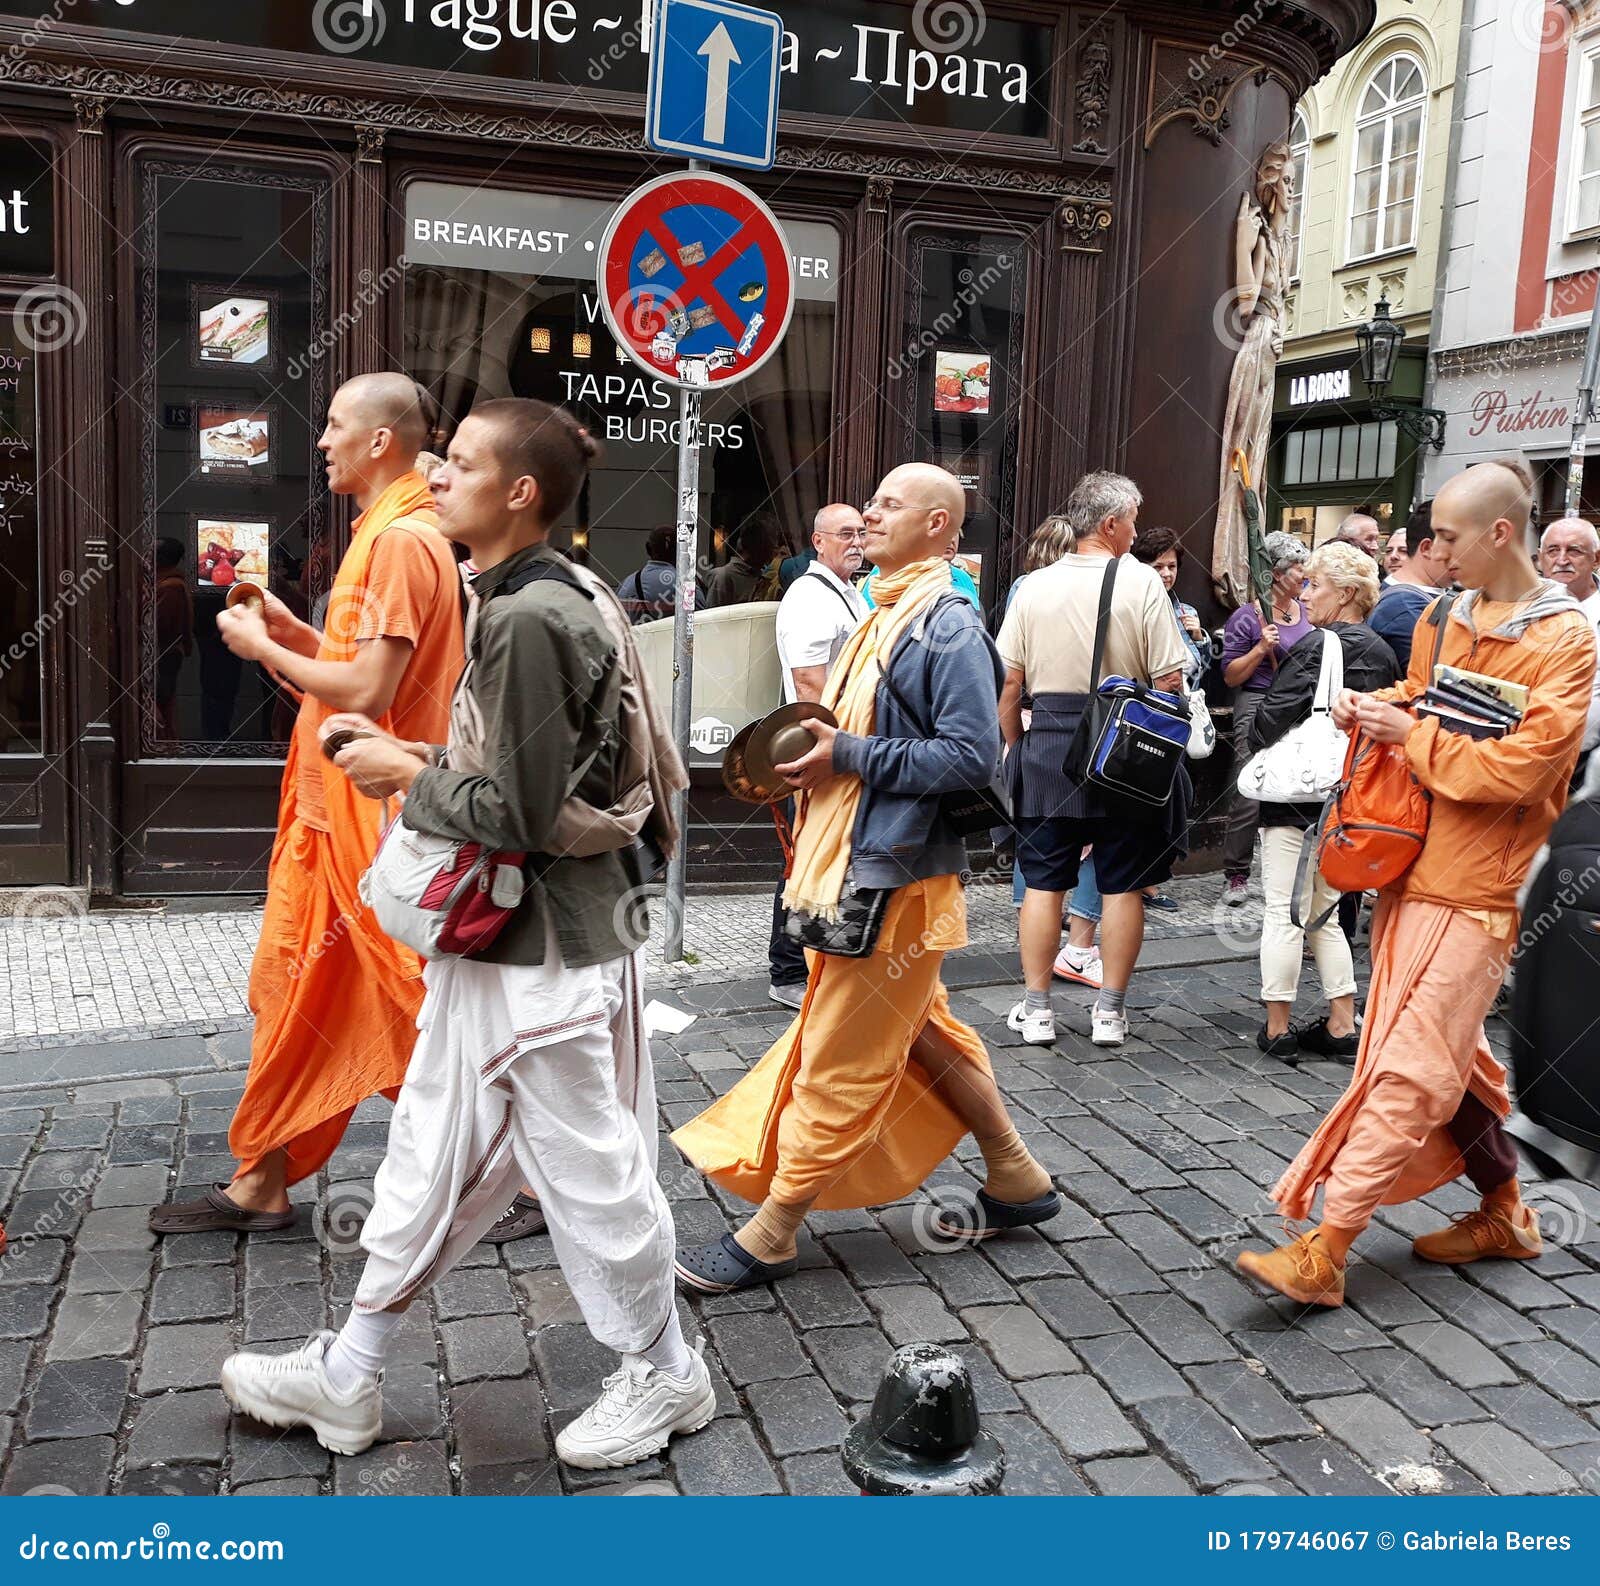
1047	643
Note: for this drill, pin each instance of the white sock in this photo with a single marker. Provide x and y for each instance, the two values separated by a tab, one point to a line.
357	1354
670	1353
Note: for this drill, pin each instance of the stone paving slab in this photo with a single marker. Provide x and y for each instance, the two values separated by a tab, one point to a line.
1114	1351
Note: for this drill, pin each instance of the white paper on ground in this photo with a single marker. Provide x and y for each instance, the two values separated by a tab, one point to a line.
661	1018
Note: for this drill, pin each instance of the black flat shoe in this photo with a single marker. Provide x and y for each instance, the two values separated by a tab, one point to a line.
984	1216
725	1266
1285	1047
1314	1038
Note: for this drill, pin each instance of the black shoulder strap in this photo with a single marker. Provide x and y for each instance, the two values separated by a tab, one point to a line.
1102	625
535	570
1440	615
952	598
836	589
904	703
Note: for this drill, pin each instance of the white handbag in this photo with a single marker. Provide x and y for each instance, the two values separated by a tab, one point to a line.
1306	763
1202	730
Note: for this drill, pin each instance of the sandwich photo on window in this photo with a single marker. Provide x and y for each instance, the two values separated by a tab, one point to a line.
235	330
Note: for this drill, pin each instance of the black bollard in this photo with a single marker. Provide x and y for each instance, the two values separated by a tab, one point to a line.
921	1438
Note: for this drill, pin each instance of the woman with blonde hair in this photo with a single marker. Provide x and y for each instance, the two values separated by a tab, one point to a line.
1341	589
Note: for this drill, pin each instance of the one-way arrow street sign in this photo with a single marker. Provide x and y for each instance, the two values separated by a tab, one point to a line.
713	91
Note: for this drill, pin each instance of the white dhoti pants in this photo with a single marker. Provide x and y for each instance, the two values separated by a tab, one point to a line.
538	1075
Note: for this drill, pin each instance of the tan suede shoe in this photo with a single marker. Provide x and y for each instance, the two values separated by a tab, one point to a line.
1484	1235
1302	1269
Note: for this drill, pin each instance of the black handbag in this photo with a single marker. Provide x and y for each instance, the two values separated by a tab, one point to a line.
854	934
1131	741
965	810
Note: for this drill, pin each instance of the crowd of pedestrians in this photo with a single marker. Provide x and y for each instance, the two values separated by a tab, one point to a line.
477	962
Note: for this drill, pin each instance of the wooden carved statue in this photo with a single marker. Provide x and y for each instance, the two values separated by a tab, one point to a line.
1260	275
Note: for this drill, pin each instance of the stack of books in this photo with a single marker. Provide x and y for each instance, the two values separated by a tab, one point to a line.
1473	703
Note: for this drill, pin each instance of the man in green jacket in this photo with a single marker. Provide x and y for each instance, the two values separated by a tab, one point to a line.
531	1065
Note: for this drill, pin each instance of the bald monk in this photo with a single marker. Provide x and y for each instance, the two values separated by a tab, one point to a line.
1426	1100
335	999
876	1080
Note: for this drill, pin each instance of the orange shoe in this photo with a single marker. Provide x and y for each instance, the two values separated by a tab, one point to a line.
1484	1235
1302	1269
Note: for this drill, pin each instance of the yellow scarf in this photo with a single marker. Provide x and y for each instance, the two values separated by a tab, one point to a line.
827	814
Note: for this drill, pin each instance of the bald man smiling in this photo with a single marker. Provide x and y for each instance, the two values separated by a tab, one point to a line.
876	1080
335	999
1426	1101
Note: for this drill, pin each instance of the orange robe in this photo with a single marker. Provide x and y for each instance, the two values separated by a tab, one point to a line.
837	1113
335	999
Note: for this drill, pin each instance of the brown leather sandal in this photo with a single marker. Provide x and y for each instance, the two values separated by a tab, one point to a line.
523	1219
216	1213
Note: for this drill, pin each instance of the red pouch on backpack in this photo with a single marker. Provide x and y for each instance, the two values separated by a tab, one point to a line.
1374	823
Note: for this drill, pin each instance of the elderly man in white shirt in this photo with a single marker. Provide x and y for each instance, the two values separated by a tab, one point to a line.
1569	551
818	613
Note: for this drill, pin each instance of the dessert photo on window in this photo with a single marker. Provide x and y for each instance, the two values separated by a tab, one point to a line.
960	382
235	441
233	330
232	552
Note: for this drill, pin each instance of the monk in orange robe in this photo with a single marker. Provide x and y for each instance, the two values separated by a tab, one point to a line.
335	999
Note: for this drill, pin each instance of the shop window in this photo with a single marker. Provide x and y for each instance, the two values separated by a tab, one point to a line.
1584	209
1299	175
1338	453
232	392
25	630
955	378
484	322
1388	159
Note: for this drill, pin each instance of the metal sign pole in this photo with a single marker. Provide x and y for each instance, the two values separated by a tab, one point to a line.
683	651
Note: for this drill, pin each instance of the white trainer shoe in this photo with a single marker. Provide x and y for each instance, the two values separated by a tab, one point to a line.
293	1390
1108	1029
1087	971
639	1408
1037	1028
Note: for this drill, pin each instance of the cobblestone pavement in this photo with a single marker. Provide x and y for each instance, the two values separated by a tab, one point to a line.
1115	1352
67	977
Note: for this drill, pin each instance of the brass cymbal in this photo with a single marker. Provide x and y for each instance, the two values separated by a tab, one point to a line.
244	593
749	766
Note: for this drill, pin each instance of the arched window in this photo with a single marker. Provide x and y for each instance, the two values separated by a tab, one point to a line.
1299	171
1388	162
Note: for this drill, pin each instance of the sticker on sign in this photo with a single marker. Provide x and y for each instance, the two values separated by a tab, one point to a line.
696	279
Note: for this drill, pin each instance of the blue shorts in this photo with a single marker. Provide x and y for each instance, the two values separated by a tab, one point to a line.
1128	857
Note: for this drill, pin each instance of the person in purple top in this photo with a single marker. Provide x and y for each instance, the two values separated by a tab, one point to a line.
1251	654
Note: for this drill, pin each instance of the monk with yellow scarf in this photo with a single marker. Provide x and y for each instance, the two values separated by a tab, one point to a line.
876	1080
335	999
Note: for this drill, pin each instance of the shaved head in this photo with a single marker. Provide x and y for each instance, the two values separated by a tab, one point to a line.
916	514
1486	493
925	485
389	401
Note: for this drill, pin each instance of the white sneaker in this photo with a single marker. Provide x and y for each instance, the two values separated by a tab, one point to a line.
1087	971
1037	1028
639	1408
1108	1029
293	1390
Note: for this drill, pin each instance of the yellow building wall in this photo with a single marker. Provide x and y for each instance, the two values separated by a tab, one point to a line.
1333	295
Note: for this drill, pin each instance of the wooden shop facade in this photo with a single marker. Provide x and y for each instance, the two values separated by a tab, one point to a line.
1012	226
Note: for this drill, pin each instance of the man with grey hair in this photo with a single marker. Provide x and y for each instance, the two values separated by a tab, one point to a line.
1569	550
1361	530
1251	652
818	613
1047	643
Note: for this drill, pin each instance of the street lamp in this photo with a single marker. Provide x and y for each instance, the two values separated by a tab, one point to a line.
1379	342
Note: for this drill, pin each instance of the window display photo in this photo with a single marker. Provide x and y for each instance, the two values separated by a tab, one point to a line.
234	442
961	382
231	552
233	329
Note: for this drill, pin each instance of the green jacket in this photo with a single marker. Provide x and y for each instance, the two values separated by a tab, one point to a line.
545	680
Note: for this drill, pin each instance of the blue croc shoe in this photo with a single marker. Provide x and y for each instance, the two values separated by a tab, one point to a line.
985	1217
725	1266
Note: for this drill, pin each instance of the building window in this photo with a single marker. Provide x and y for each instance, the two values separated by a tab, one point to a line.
1388	162
1585	208
1299	172
1339	453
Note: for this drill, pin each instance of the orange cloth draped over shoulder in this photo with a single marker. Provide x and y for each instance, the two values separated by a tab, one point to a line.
336	1000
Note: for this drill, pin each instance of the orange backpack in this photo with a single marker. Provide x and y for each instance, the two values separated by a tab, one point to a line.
1374	823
